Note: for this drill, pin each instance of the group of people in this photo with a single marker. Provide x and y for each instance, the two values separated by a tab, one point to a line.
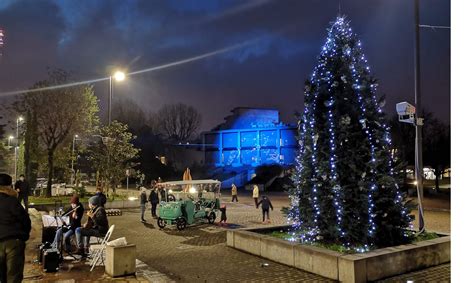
264	202
15	226
157	193
96	225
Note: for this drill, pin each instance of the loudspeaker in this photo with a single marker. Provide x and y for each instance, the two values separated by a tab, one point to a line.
51	260
41	249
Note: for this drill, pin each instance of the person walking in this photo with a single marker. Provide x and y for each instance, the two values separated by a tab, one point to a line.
255	195
143	201
234	193
15	227
266	205
23	189
153	198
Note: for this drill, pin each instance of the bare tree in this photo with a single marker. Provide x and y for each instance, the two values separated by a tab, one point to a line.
129	112
177	122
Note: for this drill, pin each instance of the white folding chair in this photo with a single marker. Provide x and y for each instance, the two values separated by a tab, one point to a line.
99	253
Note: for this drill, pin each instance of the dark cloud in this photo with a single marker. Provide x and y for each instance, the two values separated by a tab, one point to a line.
91	38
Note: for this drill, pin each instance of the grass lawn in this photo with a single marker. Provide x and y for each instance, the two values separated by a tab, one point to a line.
65	199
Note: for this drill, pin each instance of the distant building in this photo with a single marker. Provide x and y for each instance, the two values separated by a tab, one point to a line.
250	137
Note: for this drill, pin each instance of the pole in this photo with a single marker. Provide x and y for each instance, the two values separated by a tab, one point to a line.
418	121
110	100
72	160
16	147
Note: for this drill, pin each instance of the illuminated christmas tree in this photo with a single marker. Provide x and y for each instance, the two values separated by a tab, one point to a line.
346	185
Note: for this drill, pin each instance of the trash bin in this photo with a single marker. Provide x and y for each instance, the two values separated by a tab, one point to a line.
120	260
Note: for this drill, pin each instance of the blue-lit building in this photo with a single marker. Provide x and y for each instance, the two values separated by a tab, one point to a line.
251	137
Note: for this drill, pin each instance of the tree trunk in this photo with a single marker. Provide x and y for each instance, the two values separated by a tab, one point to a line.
50	172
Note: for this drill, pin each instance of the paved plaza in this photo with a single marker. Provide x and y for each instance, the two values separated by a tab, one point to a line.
199	253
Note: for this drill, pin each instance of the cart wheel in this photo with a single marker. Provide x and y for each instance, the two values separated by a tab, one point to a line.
181	223
211	218
161	223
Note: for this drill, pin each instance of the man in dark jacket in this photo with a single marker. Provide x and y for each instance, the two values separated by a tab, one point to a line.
15	227
23	189
153	198
143	202
162	193
97	225
102	197
75	213
266	205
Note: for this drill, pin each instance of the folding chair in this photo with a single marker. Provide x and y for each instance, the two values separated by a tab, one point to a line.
99	253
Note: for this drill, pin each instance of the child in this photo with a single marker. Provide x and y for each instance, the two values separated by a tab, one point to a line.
223	215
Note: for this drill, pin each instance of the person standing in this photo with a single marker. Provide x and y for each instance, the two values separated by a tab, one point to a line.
162	193
15	227
23	189
266	205
255	195
102	198
153	198
143	202
234	193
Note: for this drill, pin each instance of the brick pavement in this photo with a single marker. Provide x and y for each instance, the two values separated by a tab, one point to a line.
438	274
199	253
70	271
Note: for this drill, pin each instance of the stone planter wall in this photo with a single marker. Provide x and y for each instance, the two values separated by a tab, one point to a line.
364	267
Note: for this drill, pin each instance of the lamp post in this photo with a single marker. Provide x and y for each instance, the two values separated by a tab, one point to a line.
18	120
118	76
418	122
73	177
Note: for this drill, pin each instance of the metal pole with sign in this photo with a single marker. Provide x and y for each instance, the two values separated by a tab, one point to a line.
407	114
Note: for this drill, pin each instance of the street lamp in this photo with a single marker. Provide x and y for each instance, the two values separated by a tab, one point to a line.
18	120
76	137
118	76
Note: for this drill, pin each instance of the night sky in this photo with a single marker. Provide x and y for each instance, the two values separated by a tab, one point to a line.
91	38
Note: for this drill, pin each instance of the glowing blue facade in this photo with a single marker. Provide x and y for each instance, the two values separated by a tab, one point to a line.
251	137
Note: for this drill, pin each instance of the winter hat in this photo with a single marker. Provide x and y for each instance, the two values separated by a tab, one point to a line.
74	199
94	200
5	180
